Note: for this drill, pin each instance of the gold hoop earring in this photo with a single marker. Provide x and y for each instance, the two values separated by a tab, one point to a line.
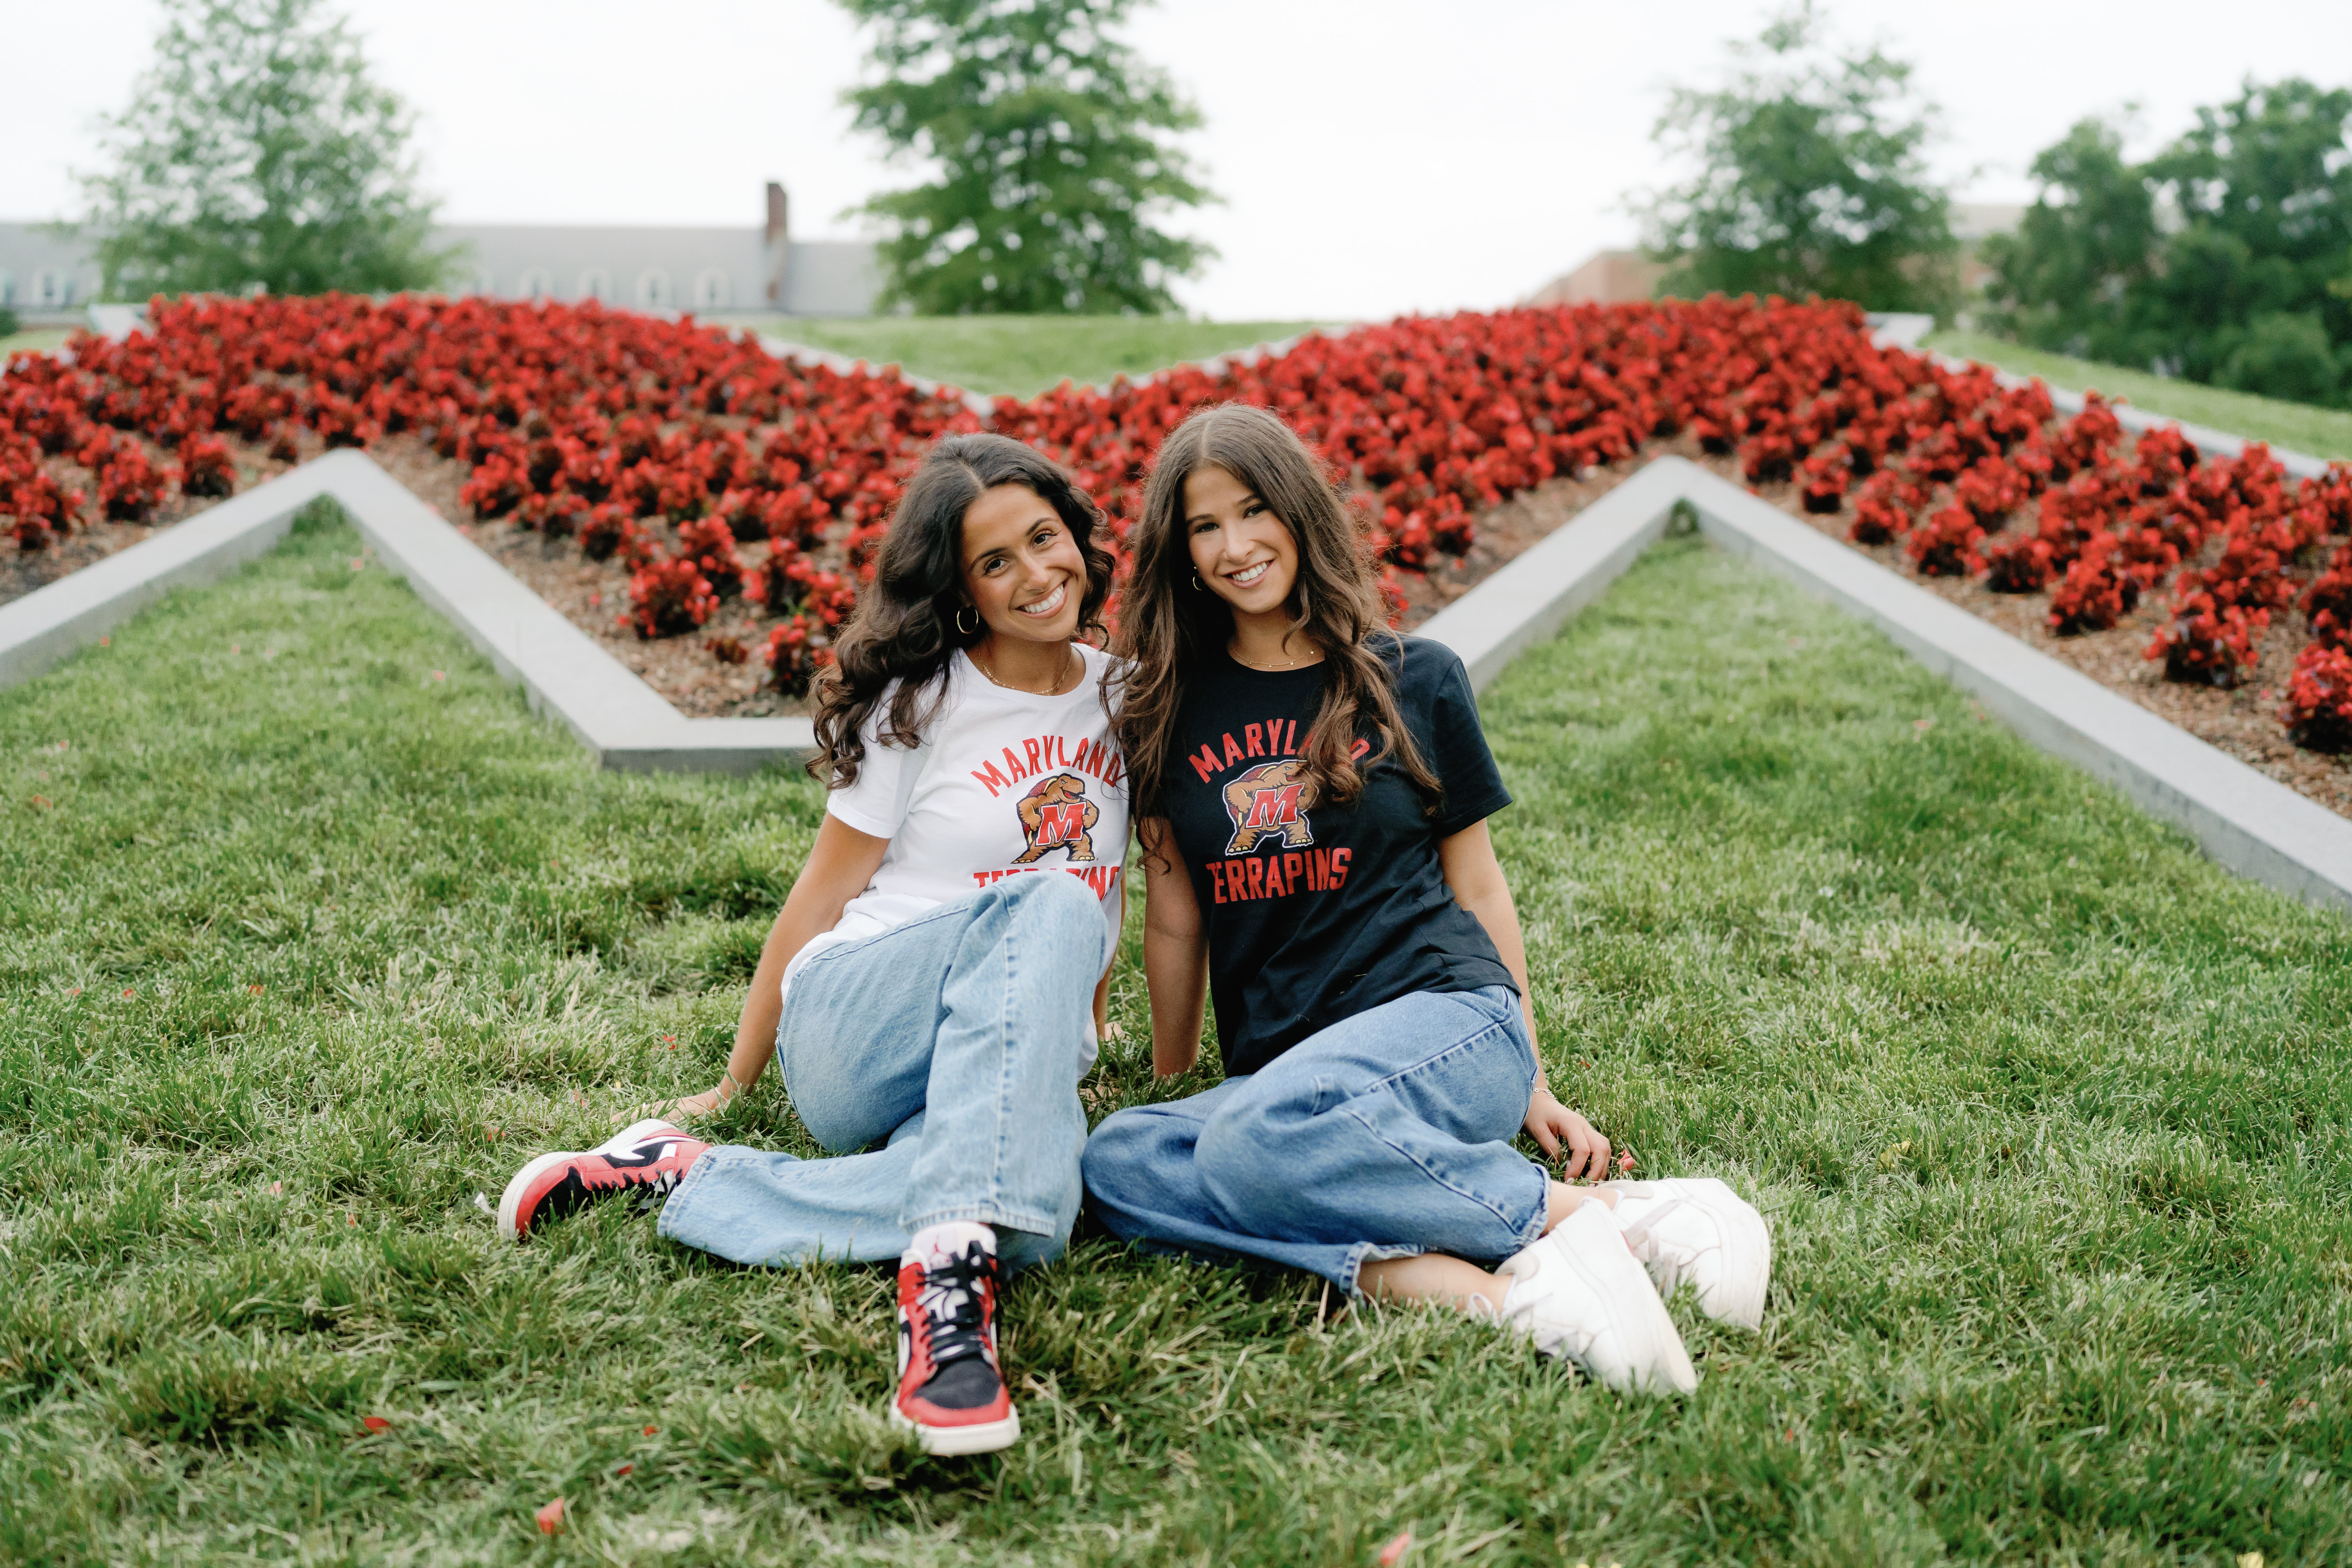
961	629
1196	584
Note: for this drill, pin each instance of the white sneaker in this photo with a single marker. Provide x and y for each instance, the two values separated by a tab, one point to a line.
1579	1293
1698	1232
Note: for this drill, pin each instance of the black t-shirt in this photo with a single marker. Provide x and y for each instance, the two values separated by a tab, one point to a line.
1316	913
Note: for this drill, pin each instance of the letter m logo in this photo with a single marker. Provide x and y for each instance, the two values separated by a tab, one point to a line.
1060	824
1273	807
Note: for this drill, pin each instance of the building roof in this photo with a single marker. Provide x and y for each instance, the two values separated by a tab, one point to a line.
642	268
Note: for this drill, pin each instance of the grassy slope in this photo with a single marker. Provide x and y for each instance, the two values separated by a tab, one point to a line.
40	340
2298	426
1024	355
2050	1114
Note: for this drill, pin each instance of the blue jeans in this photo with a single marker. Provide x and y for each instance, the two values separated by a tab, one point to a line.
1385	1135
960	1036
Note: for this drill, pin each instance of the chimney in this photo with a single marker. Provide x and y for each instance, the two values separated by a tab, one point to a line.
775	250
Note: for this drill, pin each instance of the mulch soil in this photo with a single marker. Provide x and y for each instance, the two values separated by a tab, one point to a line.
691	672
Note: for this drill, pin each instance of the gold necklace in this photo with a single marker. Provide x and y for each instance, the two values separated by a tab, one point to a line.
1053	691
1267	669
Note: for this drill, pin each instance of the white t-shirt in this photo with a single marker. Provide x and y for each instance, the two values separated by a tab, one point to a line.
1005	782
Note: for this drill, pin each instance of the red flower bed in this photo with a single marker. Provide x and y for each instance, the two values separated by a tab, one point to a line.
711	470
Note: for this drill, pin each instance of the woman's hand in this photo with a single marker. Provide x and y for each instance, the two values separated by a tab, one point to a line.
1554	1128
677	1111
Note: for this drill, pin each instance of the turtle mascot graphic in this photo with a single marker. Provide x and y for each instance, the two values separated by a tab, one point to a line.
1057	814
1271	799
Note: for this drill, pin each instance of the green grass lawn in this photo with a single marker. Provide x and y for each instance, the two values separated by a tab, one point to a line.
40	340
1024	355
309	933
2297	427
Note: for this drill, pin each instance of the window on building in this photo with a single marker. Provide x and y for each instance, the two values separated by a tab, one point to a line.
653	290
710	291
8	287
538	283
50	289
596	284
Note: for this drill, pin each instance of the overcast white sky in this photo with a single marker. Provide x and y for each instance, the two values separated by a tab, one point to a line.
1375	156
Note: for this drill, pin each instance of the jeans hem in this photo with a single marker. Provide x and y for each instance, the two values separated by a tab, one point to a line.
1365	1252
680	1199
983	1213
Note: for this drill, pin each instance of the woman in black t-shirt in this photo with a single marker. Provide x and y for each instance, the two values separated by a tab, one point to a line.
1311	791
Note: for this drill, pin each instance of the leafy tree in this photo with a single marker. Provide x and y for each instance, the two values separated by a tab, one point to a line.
257	153
2069	272
2252	287
1056	156
2265	186
1812	179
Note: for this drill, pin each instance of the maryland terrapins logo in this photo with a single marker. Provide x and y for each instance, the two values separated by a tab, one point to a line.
1057	814
1271	798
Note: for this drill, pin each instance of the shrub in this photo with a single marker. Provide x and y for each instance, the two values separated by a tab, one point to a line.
712	544
1946	546
2318	712
2093	596
206	469
669	597
794	656
129	487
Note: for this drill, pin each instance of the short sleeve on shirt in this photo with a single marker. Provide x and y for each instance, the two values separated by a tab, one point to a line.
876	803
1455	745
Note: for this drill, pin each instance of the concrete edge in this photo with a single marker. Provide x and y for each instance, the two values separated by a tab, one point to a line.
2251	824
623	723
72	612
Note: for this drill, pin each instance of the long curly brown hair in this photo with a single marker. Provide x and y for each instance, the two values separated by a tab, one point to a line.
1169	630
904	628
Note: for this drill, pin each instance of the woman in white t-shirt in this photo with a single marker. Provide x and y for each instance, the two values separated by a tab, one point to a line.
937	980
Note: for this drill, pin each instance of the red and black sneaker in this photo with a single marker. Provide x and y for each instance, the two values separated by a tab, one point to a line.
952	1391
649	1159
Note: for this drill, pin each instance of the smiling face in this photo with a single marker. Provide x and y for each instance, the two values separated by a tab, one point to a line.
1023	569
1244	554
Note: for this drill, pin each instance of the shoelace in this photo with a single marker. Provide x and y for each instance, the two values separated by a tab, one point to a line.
951	1303
1637	1234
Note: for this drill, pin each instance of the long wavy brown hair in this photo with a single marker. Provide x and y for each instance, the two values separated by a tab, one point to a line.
1171	631
904	628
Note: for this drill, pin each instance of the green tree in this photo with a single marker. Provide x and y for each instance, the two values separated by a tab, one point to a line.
1056	156
1812	179
2266	184
2065	280
2251	288
257	153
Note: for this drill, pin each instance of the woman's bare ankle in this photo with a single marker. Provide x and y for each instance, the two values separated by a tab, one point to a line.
1432	1277
1560	1200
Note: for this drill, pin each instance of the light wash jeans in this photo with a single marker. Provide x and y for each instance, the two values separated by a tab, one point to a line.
959	1034
1385	1135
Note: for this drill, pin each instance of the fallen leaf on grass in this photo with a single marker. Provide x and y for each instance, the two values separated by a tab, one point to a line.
550	1517
376	1422
1394	1553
